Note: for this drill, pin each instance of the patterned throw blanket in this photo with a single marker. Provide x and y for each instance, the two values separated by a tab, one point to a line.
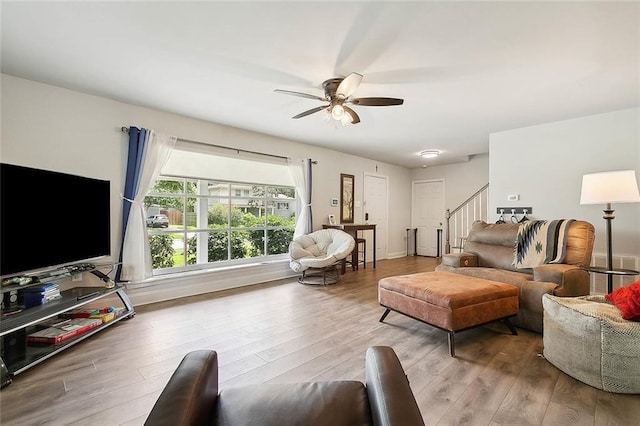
541	241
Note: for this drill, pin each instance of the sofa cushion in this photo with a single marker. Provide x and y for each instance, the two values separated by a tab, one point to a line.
580	239
317	403
493	243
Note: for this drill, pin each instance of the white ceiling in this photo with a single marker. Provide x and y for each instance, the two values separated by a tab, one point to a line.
464	69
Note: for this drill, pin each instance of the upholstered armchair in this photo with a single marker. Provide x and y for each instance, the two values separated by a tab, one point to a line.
192	397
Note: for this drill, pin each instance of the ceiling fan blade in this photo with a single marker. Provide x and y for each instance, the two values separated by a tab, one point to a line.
302	95
311	111
349	84
352	113
377	101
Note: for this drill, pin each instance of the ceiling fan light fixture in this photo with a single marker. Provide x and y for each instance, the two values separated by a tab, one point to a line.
430	153
337	91
337	112
346	119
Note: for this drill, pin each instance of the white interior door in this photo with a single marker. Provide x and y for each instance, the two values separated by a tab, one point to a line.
376	200
427	215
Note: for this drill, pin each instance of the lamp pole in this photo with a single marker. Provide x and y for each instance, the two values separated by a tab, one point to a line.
609	216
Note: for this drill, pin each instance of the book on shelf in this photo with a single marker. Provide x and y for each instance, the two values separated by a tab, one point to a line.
63	331
96	313
34	296
34	299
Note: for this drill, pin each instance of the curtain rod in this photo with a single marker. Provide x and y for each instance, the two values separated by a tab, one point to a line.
125	129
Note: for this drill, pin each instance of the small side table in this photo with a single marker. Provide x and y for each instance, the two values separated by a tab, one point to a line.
610	273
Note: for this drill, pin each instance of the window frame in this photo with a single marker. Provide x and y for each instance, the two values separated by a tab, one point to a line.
185	232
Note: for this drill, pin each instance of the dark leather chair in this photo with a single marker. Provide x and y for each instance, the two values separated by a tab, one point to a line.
191	397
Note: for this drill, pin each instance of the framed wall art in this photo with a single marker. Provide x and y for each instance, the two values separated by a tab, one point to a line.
346	198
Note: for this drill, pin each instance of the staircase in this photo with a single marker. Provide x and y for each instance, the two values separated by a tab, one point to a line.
459	220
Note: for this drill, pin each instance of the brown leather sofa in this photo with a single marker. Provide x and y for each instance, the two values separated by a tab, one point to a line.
489	254
191	397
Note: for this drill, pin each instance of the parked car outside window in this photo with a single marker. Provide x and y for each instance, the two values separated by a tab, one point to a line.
158	221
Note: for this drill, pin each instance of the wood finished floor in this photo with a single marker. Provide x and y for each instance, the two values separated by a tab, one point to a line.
286	332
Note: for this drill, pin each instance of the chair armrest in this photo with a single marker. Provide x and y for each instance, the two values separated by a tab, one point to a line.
390	396
571	280
458	260
189	398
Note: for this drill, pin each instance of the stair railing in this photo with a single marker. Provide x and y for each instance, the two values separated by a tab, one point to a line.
459	220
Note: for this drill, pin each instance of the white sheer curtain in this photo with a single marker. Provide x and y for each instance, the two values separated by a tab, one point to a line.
301	174
136	255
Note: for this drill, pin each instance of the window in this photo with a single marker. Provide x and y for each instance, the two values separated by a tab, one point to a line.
209	224
223	208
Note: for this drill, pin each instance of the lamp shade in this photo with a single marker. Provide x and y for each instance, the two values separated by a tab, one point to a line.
610	187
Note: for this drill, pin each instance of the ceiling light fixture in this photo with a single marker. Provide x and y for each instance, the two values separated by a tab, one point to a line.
337	112
431	153
346	118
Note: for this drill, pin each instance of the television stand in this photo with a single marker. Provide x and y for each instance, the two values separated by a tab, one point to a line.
18	355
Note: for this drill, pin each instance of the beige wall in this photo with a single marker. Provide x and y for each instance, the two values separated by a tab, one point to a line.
57	129
545	165
53	128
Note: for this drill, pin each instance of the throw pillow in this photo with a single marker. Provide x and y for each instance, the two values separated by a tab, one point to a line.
627	299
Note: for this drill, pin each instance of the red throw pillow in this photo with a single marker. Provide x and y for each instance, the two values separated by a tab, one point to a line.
627	299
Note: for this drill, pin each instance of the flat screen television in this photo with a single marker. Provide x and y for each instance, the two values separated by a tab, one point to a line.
50	219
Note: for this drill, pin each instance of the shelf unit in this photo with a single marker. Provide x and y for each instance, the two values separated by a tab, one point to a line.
17	356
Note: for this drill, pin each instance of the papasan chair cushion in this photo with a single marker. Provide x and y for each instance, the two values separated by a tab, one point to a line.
320	249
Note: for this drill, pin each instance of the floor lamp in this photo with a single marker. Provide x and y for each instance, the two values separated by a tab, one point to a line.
607	188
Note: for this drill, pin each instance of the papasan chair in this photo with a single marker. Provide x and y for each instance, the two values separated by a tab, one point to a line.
318	254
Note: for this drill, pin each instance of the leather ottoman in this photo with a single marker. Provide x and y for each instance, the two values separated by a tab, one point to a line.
449	301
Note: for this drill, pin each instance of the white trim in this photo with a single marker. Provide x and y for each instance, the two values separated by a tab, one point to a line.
396	255
386	206
175	286
413	201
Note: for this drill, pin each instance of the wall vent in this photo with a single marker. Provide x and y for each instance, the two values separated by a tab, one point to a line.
599	281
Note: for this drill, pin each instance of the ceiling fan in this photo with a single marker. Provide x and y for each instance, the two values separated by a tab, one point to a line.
337	91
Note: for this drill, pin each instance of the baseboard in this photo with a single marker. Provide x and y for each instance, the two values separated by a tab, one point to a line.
396	254
170	287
